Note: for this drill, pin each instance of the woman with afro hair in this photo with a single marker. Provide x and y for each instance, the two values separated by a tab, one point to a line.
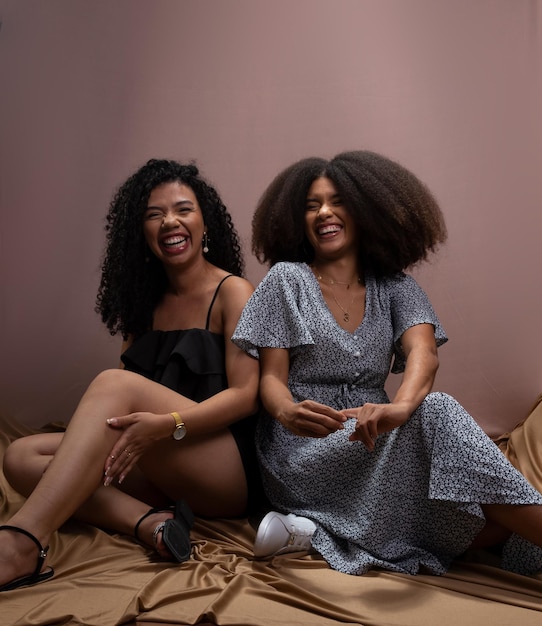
405	484
171	432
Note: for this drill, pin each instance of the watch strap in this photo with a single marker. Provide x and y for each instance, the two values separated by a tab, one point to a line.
180	427
178	419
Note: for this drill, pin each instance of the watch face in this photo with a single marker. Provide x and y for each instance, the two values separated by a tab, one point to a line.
179	432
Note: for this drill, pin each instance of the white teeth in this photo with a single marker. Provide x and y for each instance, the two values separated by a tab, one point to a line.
332	228
171	241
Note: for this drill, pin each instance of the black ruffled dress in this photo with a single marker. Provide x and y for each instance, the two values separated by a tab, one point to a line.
192	362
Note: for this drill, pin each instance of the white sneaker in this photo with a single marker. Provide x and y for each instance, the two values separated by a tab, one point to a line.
280	533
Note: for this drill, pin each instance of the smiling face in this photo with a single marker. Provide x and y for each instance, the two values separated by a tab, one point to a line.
329	227
173	223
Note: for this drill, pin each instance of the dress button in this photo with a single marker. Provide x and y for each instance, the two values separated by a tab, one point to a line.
356	374
355	336
357	353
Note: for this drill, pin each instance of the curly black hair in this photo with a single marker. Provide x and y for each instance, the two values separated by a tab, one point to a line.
398	220
133	280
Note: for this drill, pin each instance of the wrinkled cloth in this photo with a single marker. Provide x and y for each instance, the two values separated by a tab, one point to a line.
105	579
411	505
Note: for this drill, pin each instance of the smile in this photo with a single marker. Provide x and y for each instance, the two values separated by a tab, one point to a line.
329	229
174	241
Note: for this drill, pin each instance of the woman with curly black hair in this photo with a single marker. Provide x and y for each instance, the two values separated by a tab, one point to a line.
405	484
173	429
134	280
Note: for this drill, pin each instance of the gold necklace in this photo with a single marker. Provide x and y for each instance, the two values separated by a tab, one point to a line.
331	282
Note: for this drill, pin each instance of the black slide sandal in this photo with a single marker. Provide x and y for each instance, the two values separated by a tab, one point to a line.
37	576
175	531
176	534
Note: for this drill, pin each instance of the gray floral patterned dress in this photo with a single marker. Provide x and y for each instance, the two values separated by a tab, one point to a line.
412	503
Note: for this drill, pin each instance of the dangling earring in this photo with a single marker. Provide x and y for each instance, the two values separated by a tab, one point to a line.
205	243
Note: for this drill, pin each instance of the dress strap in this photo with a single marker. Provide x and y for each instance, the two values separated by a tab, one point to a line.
213	301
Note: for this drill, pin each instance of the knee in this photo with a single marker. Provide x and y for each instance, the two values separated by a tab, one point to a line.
438	401
441	406
113	380
14	459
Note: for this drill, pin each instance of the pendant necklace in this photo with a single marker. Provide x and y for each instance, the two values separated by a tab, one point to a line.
331	282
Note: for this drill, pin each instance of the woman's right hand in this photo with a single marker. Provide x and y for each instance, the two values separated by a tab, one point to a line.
311	419
139	431
306	418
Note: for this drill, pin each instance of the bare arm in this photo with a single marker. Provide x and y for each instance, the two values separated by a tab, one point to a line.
306	418
239	400
420	350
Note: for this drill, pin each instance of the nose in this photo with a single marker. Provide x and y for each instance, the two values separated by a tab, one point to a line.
169	220
324	210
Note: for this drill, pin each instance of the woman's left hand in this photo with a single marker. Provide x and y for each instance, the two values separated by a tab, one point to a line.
140	430
374	419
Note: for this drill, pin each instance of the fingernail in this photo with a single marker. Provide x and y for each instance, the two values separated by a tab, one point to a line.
110	420
107	481
121	478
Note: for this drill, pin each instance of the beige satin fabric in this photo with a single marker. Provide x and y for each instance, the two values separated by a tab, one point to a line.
105	580
523	446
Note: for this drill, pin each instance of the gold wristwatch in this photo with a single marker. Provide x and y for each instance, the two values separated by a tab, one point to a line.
180	428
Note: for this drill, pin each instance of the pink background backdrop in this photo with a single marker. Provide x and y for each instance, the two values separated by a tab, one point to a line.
91	89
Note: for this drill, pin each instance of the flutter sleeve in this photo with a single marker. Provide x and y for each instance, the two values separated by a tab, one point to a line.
274	316
410	306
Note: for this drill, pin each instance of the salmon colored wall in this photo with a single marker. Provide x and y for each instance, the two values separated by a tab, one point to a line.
90	89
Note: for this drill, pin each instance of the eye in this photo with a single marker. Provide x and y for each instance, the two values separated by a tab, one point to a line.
152	215
312	206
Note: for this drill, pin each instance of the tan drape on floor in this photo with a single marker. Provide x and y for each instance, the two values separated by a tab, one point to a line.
107	580
523	446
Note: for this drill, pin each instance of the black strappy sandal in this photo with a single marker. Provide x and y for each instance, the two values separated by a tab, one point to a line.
37	576
175	531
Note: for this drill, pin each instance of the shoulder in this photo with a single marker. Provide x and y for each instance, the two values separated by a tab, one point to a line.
401	292
286	267
408	300
233	294
281	288
286	272
397	283
235	284
395	280
291	268
234	290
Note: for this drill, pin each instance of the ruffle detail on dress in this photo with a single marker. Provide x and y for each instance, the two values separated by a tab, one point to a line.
172	357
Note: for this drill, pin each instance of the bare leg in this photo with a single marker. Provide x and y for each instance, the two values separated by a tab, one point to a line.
166	474
491	535
522	519
27	459
76	471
